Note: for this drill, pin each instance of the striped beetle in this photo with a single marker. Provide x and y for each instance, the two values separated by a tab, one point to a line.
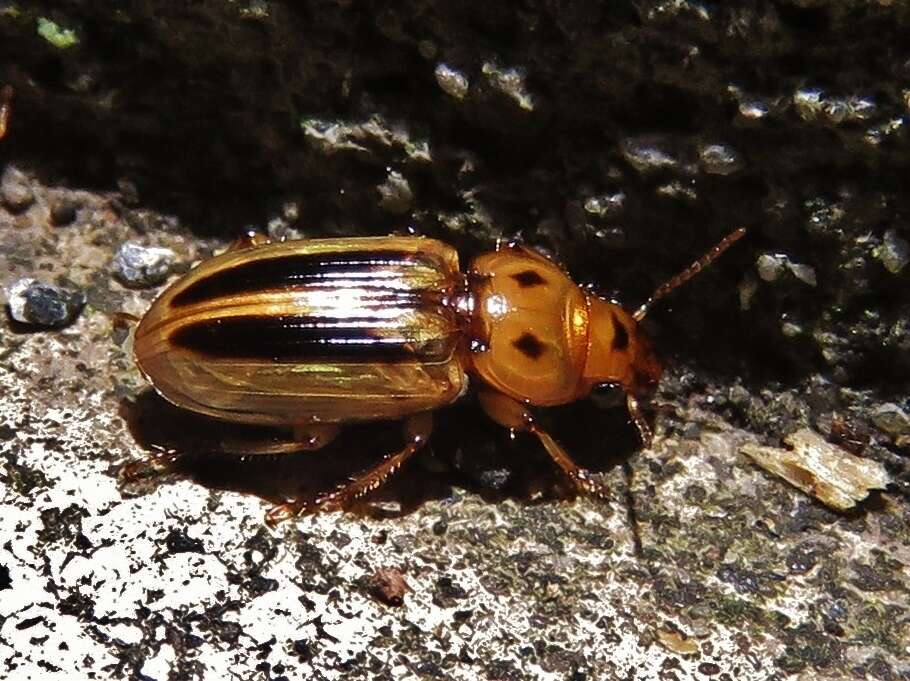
309	335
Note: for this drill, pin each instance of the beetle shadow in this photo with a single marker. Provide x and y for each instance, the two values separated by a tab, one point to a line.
466	451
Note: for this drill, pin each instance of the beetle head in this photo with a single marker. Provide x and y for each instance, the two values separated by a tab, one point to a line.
618	351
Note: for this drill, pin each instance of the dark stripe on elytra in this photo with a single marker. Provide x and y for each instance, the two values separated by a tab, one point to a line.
300	339
529	278
529	345
620	334
298	269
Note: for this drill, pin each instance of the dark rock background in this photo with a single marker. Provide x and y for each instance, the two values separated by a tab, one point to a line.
624	139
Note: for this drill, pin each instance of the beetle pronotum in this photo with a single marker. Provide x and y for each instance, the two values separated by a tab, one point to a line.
316	333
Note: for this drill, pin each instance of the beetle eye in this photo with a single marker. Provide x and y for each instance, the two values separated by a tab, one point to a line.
608	395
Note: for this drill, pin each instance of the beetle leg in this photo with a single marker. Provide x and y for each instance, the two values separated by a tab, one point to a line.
159	463
514	415
249	239
307	438
638	418
417	429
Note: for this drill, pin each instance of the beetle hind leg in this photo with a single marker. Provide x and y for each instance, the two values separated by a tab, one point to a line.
417	431
514	415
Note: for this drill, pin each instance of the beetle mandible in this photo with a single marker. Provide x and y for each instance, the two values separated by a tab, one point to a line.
312	334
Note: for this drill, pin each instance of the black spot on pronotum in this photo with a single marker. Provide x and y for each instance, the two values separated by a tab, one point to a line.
620	335
529	278
529	345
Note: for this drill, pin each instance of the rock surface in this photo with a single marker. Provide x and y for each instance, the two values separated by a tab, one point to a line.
624	139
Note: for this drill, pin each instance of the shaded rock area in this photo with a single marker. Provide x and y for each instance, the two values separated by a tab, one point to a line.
623	139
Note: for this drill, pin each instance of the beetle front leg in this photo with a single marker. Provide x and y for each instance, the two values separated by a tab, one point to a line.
417	429
638	418
515	416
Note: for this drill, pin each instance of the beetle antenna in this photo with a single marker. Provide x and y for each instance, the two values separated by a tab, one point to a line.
689	272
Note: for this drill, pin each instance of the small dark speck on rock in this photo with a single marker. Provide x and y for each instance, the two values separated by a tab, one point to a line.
178	542
387	585
29	622
303	649
63	211
257	586
448	593
229	632
709	668
802	559
31	302
339	539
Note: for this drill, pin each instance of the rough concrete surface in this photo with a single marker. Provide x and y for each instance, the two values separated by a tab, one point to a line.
621	138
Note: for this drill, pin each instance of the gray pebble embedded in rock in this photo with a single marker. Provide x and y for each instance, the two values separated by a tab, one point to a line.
452	81
395	194
15	192
894	252
606	205
137	266
645	155
771	266
813	104
31	302
892	419
510	82
718	159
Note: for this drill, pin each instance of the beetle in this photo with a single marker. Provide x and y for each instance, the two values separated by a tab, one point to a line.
312	334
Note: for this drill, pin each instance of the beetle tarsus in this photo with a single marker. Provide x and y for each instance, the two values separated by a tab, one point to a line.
417	429
582	478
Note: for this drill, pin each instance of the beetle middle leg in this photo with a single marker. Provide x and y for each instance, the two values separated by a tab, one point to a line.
514	415
417	429
249	239
159	463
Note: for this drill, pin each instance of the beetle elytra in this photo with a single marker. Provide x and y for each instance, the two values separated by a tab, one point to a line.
312	334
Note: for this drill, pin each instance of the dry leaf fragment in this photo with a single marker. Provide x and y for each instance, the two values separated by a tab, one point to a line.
677	642
829	473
